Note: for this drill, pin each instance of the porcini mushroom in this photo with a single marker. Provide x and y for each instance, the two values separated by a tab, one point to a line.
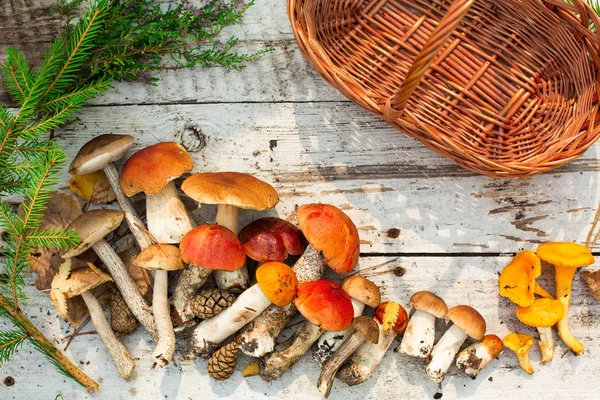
152	171
517	280
67	284
271	239
362	292
566	258
92	227
391	320
333	241
326	307
420	333
476	356
466	322
161	258
99	154
365	329
206	248
276	284
543	314
231	191
520	343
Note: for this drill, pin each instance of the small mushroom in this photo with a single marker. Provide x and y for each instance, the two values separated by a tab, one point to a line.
326	307
276	284
420	333
476	356
391	320
99	154
152	171
466	322
92	227
80	282
161	258
271	239
231	191
362	292
520	343
566	258
543	314
333	241
365	329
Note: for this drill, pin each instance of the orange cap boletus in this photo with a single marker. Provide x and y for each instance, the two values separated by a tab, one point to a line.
325	304
272	239
278	282
212	247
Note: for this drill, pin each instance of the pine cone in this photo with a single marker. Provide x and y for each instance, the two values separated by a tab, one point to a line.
211	302
222	363
122	320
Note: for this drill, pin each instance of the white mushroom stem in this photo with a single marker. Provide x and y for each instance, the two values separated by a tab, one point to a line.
444	352
274	365
168	220
126	286
190	281
332	366
419	335
136	226
115	348
366	358
233	281
330	342
211	332
546	344
258	338
163	352
473	359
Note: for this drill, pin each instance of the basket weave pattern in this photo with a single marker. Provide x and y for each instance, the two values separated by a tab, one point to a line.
504	88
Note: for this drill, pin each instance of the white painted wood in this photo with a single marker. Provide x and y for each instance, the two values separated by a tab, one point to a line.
470	280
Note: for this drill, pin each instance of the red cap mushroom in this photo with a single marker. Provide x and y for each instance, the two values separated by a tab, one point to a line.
272	239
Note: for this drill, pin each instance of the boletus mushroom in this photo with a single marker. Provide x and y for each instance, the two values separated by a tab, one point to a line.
420	333
161	258
92	227
333	241
231	191
67	284
543	314
276	284
477	355
466	322
566	258
271	239
326	307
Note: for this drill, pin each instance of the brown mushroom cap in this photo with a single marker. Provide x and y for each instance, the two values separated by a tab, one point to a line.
150	169
99	152
212	247
272	239
362	289
232	188
163	257
367	327
91	227
430	303
468	320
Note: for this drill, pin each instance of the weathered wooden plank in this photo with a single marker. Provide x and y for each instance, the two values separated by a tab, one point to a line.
334	153
459	280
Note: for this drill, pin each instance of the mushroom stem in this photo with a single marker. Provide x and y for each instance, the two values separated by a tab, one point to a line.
476	356
366	358
127	287
443	353
136	226
335	362
540	291
419	335
190	281
163	352
258	337
168	220
330	342
213	331
564	280
546	344
276	364
115	348
233	281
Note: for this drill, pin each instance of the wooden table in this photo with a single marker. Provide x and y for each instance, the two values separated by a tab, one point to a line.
449	228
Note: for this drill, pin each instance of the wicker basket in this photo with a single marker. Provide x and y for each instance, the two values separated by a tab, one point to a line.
504	88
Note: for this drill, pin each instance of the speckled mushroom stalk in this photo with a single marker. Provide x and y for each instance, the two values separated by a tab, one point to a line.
391	320
276	284
91	228
333	241
478	355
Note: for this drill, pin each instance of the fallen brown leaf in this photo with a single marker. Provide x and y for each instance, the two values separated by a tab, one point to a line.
93	187
592	280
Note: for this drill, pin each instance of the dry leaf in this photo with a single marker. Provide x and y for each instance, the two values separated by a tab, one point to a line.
76	310
139	275
592	280
93	187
